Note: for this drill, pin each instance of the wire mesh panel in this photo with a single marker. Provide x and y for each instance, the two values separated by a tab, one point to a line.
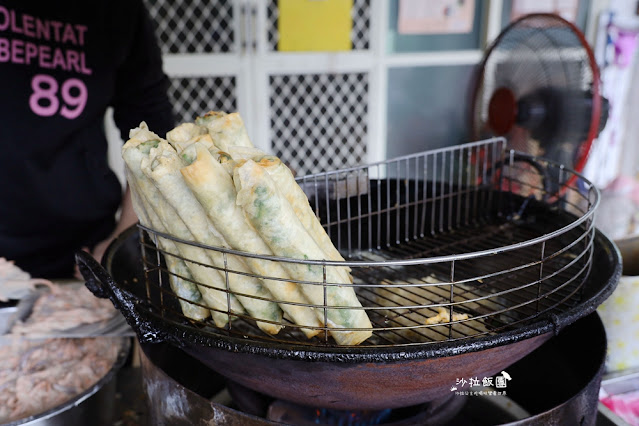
193	26
192	95
360	32
319	121
443	245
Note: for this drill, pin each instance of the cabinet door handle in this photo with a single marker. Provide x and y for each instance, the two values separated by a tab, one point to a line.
242	36
253	28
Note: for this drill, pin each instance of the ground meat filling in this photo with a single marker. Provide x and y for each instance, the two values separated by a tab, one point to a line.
37	375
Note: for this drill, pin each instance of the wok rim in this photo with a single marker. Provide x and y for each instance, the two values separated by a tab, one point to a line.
161	330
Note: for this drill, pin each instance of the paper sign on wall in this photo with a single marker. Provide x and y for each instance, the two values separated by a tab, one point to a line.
314	25
435	16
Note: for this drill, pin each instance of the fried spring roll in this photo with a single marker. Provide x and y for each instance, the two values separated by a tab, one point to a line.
210	281
163	168
186	134
185	289
213	187
225	129
285	181
225	160
180	279
245	153
274	219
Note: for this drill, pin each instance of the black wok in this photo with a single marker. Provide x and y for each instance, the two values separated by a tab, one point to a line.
340	378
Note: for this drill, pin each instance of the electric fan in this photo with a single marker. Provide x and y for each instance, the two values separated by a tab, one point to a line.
538	86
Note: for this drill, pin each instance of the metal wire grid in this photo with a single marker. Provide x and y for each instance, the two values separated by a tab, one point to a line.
196	26
318	121
453	236
193	26
192	95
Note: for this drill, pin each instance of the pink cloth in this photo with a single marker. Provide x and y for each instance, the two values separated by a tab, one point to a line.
625	406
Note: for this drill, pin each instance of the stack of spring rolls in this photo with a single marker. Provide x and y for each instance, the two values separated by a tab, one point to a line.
207	183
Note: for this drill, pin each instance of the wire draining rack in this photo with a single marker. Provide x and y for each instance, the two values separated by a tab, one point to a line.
443	245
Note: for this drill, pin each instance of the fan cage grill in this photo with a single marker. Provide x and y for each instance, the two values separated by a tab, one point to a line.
542	52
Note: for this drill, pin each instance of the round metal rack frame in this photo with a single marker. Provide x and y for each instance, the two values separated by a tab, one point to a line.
443	245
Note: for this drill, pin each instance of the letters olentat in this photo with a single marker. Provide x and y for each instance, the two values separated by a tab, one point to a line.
34	51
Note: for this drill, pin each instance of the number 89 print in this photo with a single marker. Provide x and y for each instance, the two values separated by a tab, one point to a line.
45	101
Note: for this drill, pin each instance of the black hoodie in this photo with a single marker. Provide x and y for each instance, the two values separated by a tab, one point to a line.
62	63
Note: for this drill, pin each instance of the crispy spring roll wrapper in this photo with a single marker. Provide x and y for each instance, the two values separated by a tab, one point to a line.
224	159
274	219
180	279
210	281
133	152
214	189
184	133
185	289
188	133
286	184
163	168
225	129
245	153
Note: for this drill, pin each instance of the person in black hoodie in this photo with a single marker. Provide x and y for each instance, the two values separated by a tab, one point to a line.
62	64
